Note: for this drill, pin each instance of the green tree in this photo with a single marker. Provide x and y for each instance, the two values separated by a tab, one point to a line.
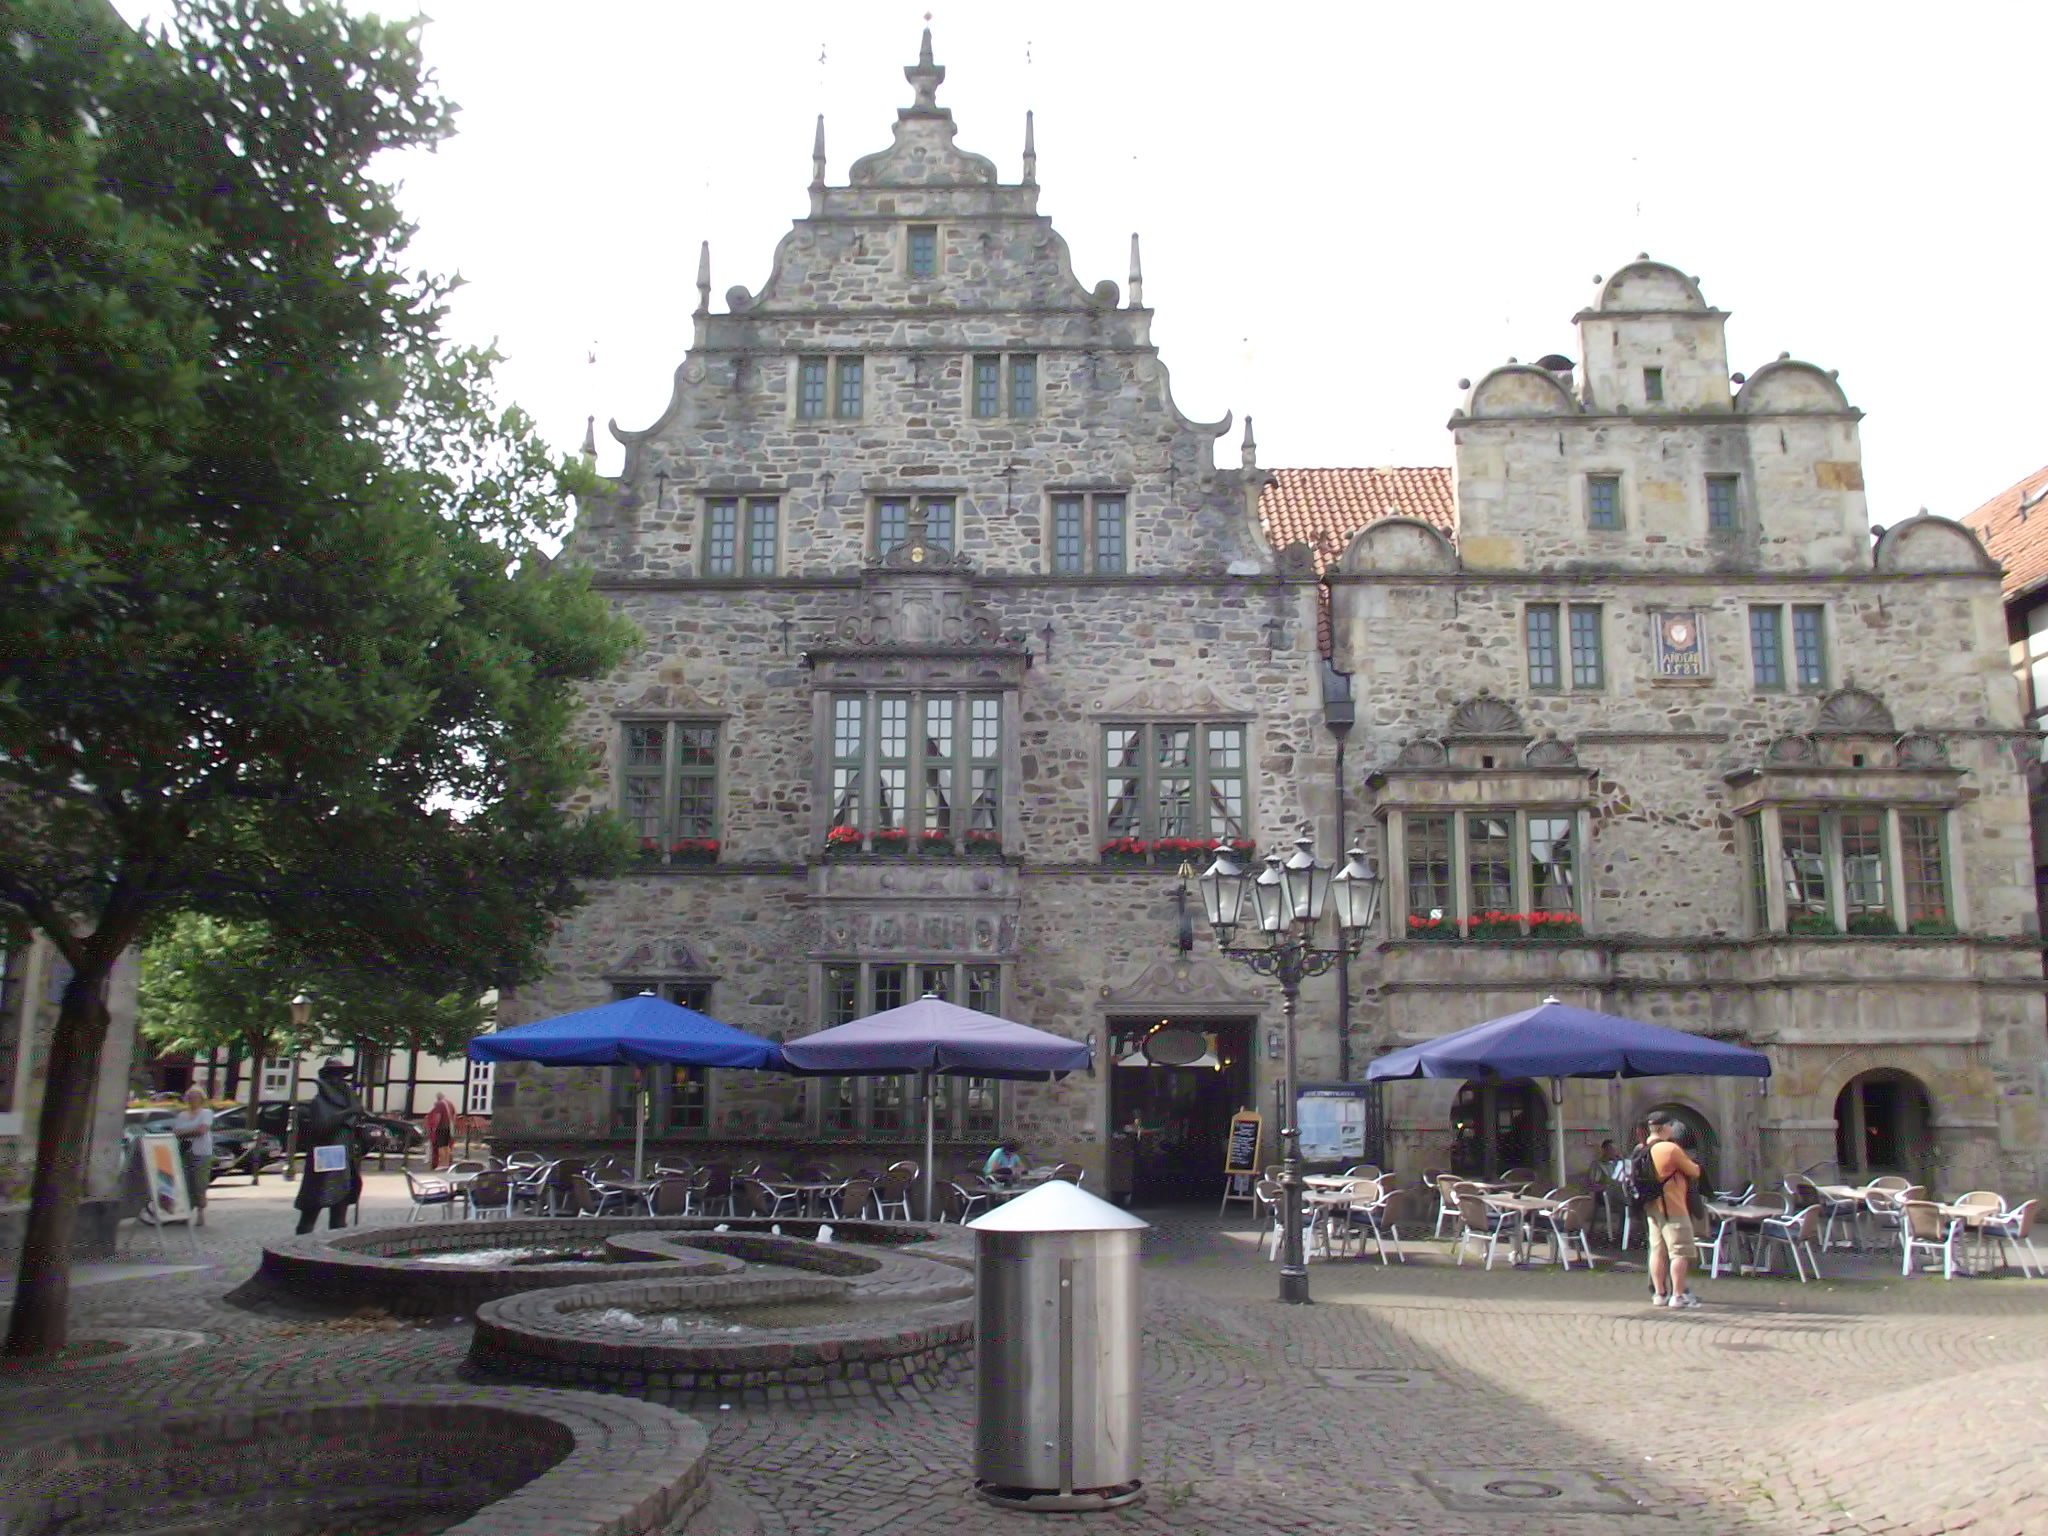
210	982
275	641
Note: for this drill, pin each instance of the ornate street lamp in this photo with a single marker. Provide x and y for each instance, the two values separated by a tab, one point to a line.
1284	903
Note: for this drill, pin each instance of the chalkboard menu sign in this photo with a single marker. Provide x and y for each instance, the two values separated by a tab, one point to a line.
1241	1152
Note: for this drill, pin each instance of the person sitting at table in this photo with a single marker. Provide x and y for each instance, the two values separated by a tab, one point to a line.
1005	1165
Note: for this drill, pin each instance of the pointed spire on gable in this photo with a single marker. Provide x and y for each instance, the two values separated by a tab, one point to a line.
1137	275
1251	446
818	155
704	278
925	77
1030	154
590	442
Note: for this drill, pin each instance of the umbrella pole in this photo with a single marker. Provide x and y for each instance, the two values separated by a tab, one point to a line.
639	1122
1557	1128
930	1115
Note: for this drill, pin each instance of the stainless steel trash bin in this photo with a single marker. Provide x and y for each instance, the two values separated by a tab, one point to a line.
1056	1352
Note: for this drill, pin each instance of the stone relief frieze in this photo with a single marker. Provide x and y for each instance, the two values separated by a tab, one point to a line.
884	933
1485	716
923	614
1855	711
1792	751
1551	753
1423	752
1919	749
1166	983
1169	696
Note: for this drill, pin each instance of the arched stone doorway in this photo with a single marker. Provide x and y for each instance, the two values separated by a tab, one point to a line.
1883	1125
1497	1126
1696	1135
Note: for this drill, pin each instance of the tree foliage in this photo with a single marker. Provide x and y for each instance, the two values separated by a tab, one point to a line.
276	642
210	982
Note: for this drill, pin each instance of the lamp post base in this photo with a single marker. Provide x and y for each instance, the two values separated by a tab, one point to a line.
1294	1287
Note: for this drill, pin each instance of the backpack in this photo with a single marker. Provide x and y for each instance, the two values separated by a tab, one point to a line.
1639	1180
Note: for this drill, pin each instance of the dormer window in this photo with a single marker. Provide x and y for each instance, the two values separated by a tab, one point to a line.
922	251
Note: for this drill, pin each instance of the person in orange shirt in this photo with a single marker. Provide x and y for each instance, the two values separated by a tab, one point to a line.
1667	1217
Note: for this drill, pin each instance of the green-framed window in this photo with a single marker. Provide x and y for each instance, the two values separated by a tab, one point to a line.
1174	783
1521	865
917	772
742	535
1808	660
1603	501
1584	653
1724	506
1855	869
894	516
830	387
921	252
668	788
1003	384
1089	533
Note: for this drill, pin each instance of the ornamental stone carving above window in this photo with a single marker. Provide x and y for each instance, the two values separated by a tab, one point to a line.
1485	716
1855	711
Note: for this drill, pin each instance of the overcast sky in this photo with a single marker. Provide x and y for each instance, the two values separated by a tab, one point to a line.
1344	207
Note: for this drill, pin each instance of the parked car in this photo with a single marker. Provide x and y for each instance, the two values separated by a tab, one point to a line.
235	1148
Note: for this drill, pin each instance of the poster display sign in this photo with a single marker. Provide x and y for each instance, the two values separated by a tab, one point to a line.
163	1171
1332	1121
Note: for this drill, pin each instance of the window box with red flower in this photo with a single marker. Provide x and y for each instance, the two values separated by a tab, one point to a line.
1493	927
842	842
1127	851
894	841
983	843
935	840
650	850
693	850
1555	927
1932	925
1876	923
1175	851
1433	929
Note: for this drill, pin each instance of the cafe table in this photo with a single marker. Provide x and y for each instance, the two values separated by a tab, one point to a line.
1749	1221
1522	1208
813	1193
1972	1217
1325	1205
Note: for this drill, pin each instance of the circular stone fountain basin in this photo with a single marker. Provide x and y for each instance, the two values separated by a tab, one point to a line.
491	1461
423	1271
802	1322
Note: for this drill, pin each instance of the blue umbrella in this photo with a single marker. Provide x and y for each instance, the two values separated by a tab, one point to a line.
631	1032
1556	1040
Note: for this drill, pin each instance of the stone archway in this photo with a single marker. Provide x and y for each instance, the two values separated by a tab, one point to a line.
1884	1123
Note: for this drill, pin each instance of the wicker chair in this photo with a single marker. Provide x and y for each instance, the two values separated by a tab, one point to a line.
489	1194
853	1200
892	1191
670	1197
1567	1221
1922	1231
1799	1232
2016	1228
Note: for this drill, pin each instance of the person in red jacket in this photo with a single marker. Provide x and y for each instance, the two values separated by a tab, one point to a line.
440	1129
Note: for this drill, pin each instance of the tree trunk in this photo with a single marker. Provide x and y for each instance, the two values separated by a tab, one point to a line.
42	1291
258	1047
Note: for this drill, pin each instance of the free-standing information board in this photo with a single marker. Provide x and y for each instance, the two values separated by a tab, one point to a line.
1332	1121
163	1170
1240	1158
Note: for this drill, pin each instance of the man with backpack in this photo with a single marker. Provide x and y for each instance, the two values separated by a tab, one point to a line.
1659	1178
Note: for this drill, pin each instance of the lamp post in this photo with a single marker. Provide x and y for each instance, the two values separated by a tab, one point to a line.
1284	905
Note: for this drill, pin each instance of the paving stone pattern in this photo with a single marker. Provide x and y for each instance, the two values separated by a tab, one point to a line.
1870	1407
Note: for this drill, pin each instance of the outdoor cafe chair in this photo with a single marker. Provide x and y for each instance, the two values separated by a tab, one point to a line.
714	1189
489	1194
525	1160
1565	1222
426	1192
467	1165
670	1197
558	1193
960	1201
595	1199
1383	1218
1364	1171
2016	1227
1073	1173
780	1200
1922	1231
1521	1176
1833	1208
853	1199
1266	1201
1799	1233
1721	1248
892	1192
1479	1222
1446	1202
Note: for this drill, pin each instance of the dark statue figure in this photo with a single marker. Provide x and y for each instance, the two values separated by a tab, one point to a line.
333	1118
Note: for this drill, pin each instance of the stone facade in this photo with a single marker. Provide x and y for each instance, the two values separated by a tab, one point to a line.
1664	688
926	463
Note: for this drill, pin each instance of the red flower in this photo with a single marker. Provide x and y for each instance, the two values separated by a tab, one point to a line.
1128	845
839	837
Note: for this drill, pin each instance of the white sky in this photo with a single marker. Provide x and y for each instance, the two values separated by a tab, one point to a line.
1345	207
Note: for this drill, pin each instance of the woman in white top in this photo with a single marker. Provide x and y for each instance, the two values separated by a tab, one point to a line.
193	1126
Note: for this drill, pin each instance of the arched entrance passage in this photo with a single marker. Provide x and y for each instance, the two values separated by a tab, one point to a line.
1883	1125
1497	1126
1695	1134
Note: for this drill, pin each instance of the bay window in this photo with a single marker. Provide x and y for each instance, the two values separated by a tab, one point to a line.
1496	873
1874	870
916	772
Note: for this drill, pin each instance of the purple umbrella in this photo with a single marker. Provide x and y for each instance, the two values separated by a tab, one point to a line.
1556	1040
932	1037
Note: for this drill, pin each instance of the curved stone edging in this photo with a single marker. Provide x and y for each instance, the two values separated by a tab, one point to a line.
564	1463
354	1268
137	1344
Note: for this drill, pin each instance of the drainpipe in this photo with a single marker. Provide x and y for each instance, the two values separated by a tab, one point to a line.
1339	715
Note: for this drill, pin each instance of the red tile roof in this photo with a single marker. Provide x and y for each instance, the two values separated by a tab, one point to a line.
1323	508
2017	540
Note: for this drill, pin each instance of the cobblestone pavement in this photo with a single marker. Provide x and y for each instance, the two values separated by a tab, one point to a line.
1866	1407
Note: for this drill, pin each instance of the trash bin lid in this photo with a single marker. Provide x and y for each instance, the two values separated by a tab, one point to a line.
1057	1206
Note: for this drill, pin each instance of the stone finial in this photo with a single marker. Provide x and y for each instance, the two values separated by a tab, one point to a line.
1137	275
704	276
590	442
1030	154
818	154
925	77
1250	450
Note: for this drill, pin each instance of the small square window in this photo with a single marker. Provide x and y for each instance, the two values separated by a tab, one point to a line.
1653	385
1603	501
1721	509
924	250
